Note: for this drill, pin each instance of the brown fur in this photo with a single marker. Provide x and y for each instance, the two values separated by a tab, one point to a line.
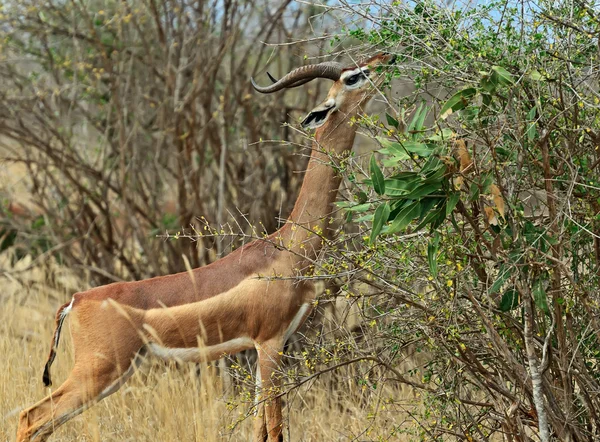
235	297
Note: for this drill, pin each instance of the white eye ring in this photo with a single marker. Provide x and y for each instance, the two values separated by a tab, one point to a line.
356	79
353	79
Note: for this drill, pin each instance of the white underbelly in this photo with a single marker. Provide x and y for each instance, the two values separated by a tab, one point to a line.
200	354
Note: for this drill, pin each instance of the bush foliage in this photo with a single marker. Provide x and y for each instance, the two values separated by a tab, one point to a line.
481	215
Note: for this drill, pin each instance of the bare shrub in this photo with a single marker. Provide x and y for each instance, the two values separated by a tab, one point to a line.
135	118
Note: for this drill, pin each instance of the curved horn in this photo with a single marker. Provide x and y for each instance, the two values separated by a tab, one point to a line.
298	83
273	79
301	75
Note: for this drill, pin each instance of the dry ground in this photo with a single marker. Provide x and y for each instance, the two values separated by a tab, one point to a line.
161	403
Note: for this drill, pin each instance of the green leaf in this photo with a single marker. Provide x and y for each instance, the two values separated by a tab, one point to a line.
503	276
395	187
419	124
433	163
458	101
535	76
473	191
392	148
432	251
393	161
531	129
405	175
411	126
425	189
403	150
365	218
471	113
444	135
392	121
486	181
510	300
359	208
539	296
432	260
377	177
381	216
405	216
38	223
396	207
436	175
452	202
362	197
416	123
550	239
421	149
439	218
486	99
429	203
170	221
432	216
487	84
501	75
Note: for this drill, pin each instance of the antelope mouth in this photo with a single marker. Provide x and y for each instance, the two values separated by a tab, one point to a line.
317	116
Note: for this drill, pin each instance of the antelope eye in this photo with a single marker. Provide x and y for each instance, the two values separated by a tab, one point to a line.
353	79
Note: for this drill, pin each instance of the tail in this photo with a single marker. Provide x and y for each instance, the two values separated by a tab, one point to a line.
61	314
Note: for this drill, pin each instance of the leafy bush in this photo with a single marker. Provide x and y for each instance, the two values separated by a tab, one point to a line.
481	216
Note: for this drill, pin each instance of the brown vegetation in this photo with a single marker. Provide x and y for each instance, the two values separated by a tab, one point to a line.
144	121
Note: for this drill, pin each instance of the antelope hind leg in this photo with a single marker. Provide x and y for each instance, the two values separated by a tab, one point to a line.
79	392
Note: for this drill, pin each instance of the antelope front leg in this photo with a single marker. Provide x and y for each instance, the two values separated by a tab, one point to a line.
269	421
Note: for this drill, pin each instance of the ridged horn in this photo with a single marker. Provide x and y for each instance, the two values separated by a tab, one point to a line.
298	83
301	75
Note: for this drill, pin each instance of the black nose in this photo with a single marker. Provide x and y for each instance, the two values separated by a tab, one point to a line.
389	54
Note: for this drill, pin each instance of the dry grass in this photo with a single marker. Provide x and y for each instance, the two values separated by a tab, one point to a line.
161	403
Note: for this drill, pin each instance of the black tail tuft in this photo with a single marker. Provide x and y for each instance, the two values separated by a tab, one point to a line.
60	318
46	376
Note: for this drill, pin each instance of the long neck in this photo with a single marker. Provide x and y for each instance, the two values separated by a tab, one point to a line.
309	220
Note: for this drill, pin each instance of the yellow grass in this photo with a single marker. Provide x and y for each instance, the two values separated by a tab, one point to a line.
162	403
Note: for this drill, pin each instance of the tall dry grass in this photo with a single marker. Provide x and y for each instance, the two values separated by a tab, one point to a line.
166	403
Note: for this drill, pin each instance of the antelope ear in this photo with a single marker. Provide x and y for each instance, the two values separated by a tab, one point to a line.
319	115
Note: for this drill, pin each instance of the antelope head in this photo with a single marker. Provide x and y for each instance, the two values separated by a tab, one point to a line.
353	86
